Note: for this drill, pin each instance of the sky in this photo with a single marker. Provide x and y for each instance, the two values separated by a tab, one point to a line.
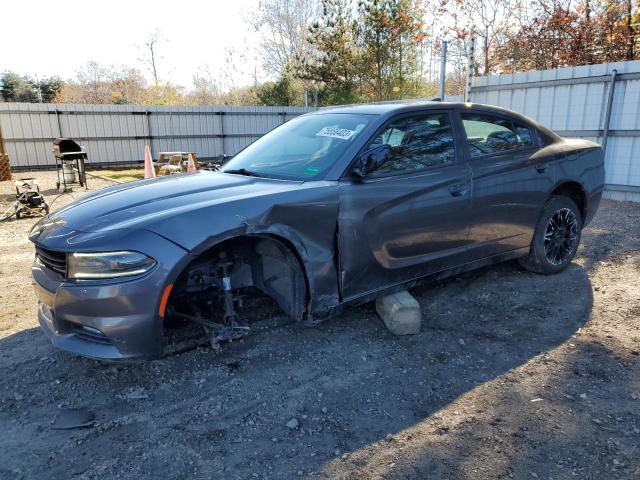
56	38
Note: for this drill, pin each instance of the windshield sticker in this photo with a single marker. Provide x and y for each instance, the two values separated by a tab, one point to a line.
312	170
335	132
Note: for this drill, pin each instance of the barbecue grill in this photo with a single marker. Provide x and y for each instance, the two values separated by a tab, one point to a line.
70	158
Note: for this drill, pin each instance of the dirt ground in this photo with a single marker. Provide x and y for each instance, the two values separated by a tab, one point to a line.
513	376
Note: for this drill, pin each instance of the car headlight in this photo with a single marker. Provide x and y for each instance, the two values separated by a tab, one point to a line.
97	265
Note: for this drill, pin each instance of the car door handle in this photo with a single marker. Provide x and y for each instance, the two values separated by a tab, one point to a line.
458	189
542	168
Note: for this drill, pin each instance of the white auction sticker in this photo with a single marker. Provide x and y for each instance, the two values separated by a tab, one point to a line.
334	132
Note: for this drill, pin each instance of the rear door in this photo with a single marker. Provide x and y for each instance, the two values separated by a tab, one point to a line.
411	216
510	184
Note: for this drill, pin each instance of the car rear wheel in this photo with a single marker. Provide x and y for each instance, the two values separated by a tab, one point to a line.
556	238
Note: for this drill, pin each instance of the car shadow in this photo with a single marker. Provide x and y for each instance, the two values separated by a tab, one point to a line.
579	422
350	385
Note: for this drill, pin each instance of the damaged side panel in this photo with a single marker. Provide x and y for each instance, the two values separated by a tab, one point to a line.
286	250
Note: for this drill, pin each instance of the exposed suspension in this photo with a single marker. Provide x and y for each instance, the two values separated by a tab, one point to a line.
230	329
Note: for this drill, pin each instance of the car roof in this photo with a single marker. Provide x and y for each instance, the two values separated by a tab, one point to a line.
394	107
399	106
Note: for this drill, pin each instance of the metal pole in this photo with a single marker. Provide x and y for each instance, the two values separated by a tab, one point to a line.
443	67
470	55
147	114
222	134
58	122
607	114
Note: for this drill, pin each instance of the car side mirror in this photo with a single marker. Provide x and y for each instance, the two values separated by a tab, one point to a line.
371	160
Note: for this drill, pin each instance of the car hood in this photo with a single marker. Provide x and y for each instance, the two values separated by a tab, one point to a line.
144	203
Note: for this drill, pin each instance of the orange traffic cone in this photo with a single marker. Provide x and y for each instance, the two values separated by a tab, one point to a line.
191	166
149	172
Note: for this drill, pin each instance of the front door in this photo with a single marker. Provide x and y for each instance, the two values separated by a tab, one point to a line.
410	217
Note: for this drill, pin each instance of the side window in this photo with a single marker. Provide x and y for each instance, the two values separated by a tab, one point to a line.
416	143
487	134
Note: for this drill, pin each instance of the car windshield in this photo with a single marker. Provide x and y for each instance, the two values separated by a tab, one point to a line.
302	149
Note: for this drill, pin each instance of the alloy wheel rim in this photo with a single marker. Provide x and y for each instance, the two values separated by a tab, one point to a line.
561	236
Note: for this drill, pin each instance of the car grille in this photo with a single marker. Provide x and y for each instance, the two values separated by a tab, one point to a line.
89	334
56	261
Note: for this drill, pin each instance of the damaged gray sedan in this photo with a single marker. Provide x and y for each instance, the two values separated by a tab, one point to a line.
332	208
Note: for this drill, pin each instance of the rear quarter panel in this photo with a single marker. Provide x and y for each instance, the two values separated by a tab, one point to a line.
581	161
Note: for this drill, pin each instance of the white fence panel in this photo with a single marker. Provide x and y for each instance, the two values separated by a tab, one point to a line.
115	135
573	101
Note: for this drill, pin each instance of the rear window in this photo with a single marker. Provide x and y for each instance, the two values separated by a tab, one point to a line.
489	134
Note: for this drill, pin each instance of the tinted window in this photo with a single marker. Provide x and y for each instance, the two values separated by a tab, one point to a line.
416	143
487	134
301	149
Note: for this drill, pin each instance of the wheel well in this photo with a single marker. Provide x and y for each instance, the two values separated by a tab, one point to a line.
266	262
575	192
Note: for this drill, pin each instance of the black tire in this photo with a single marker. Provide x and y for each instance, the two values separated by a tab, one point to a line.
556	238
18	214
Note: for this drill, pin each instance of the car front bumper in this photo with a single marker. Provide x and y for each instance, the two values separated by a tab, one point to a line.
111	319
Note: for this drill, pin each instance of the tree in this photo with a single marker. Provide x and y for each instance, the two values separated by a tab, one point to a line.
151	57
486	22
128	85
283	25
17	88
616	29
631	28
282	92
374	56
555	33
49	88
390	34
333	59
206	89
99	84
163	94
374	38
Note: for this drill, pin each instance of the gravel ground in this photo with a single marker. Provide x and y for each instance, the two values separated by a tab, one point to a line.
513	376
